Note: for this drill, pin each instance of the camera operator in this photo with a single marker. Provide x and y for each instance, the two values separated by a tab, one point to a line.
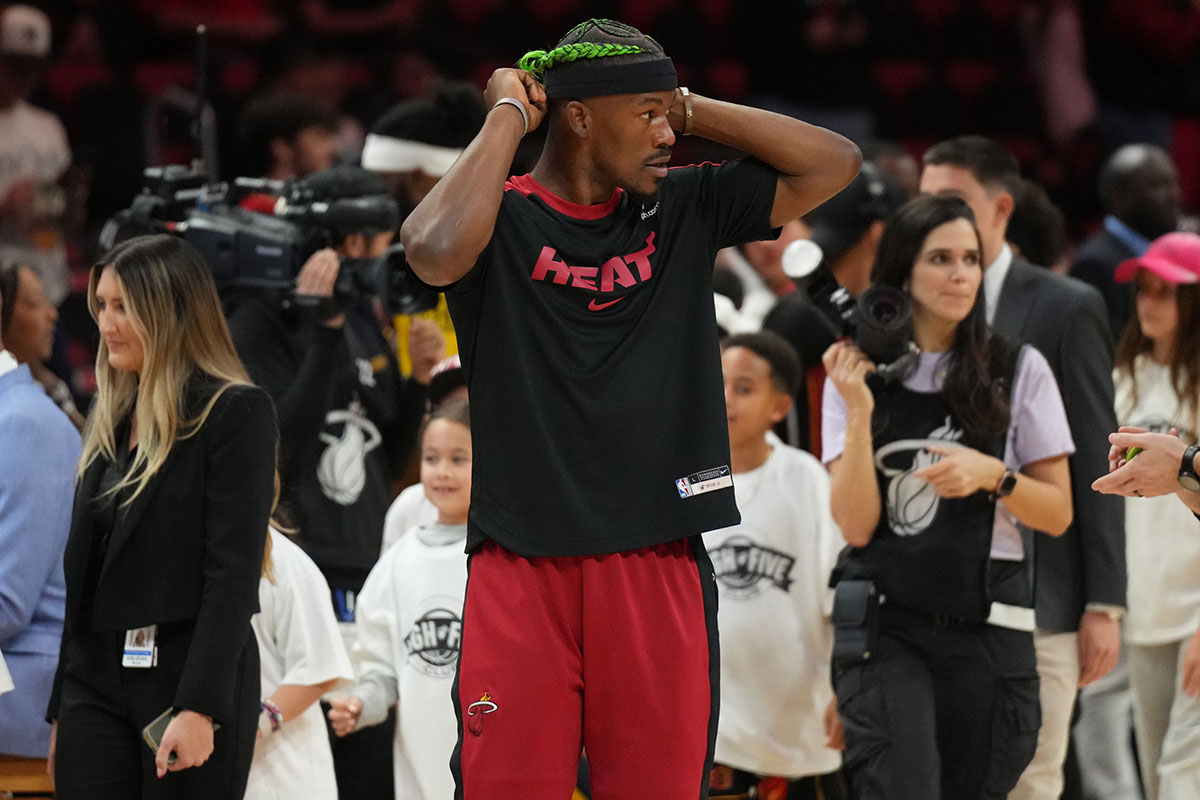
847	228
348	419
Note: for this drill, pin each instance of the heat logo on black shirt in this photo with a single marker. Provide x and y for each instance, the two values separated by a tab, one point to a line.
612	273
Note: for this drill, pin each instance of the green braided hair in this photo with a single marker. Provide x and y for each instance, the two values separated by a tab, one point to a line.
590	40
536	62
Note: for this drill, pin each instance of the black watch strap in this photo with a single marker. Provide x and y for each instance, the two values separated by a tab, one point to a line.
1187	469
1006	485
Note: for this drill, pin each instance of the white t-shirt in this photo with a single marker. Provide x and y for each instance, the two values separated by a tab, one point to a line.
298	644
773	614
1037	428
409	510
1162	537
409	632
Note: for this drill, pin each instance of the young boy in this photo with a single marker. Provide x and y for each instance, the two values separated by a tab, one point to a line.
772	573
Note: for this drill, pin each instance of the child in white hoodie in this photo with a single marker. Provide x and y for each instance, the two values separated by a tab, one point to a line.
409	620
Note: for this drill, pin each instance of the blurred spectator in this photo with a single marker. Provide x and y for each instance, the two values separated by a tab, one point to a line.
895	162
33	154
1139	192
288	135
411	147
416	142
847	228
1037	229
27	327
38	452
766	260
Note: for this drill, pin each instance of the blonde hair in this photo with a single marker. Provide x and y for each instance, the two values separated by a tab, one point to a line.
173	309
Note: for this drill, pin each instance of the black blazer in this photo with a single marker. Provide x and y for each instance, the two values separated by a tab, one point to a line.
188	549
1065	320
1095	261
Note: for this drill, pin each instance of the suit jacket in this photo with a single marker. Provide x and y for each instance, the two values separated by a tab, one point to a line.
187	550
39	448
1065	320
1094	263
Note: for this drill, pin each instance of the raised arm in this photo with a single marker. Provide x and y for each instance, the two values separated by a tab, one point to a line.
447	231
813	164
854	492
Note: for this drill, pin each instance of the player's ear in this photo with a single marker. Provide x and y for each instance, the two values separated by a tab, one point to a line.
579	118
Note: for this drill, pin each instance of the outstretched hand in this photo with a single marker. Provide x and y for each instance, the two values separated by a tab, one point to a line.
519	85
1155	470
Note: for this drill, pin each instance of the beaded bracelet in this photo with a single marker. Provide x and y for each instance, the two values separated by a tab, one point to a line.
271	718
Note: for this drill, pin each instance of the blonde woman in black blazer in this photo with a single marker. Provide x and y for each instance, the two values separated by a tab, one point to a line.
174	492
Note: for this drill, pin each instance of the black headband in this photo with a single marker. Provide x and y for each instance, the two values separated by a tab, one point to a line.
600	76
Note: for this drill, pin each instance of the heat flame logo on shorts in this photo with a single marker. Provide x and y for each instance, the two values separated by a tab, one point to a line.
476	712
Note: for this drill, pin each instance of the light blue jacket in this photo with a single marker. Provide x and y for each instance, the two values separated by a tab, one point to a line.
39	448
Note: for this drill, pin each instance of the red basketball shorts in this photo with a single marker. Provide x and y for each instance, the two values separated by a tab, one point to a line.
615	655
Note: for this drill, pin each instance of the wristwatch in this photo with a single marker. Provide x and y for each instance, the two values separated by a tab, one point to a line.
1187	470
1007	483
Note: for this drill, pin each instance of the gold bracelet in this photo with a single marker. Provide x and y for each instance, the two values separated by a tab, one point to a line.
687	110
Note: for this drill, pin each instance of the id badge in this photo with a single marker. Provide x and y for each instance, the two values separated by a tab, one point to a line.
140	650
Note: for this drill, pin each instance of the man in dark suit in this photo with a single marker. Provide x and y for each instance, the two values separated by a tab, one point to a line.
1079	576
1139	192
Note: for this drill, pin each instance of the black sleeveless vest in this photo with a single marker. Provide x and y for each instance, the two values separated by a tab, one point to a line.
928	553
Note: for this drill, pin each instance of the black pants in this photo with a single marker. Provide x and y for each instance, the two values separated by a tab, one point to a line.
939	711
100	754
364	761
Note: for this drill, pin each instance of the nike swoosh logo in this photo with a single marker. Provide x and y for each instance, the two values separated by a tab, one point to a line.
594	306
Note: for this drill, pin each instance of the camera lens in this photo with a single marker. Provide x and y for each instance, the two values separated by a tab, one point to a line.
884	323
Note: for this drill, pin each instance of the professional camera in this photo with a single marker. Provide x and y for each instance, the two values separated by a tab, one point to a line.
264	249
879	320
880	323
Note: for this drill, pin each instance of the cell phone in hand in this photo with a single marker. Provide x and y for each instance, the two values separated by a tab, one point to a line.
153	733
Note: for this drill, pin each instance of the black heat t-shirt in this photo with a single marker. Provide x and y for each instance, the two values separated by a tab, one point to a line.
589	343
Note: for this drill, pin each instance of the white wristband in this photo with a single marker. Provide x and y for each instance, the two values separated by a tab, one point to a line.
517	104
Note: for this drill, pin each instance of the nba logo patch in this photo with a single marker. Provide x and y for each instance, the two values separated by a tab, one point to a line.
685	488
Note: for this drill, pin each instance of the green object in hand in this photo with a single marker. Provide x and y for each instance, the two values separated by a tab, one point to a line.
1131	452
